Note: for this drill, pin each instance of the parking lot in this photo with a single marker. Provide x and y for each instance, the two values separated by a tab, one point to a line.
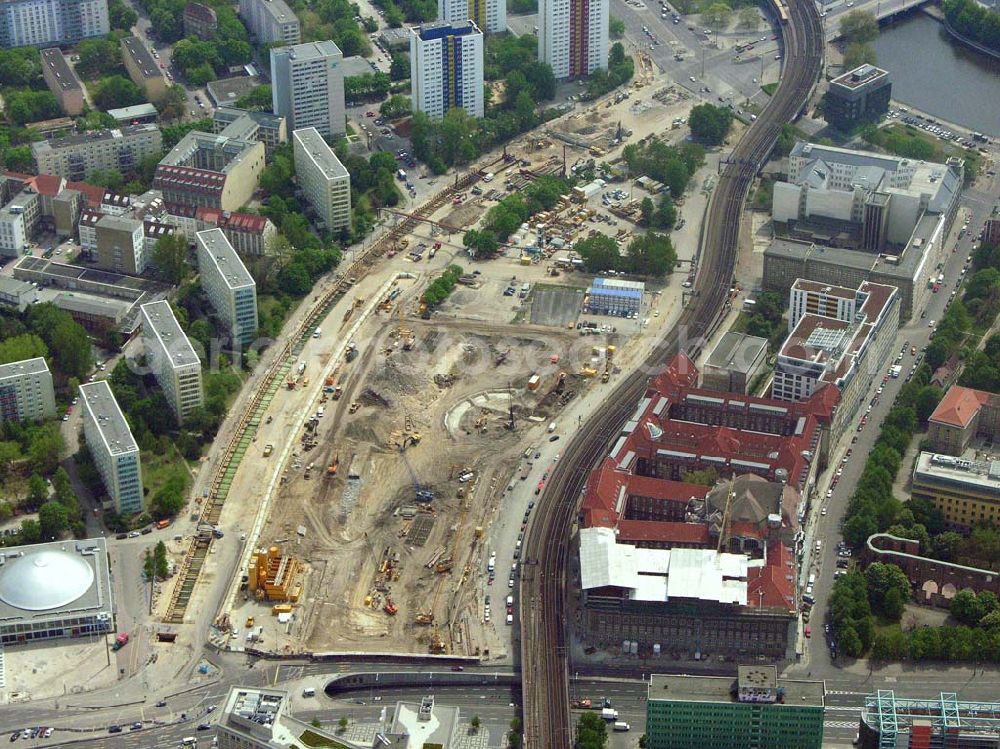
558	306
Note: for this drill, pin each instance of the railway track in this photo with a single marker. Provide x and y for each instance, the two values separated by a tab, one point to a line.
225	472
544	636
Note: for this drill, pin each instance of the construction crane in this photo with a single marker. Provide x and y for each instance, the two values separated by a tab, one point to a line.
724	526
421	493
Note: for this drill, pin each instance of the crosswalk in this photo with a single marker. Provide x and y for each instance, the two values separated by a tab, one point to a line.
853	694
840	724
3	670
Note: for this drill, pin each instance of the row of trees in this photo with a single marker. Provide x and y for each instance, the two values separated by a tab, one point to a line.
442	286
45	330
336	20
505	217
200	60
858	29
620	70
369	86
398	12
974	21
649	254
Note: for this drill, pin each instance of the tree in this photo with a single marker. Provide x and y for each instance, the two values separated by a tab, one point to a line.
965	608
706	477
52	520
599	253
888	589
749	18
170	255
646	209
399	68
651	254
616	26
396	106
859	27
174	103
148	565
98	57
591	732
20	67
857	54
717	16
18	158
117	91
162	567
342	724
926	401
710	123
38	490
258	99
475	723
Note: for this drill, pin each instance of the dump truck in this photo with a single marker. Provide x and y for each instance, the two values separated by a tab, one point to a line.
584	704
352	352
163	523
120	641
337	392
332	468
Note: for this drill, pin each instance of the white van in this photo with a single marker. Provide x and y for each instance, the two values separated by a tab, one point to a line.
319	413
812	580
189	741
552	427
309	692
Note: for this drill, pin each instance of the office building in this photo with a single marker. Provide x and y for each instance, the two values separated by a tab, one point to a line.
307	87
208	170
268	128
323	179
121	246
614	296
891	720
573	36
135	115
18	220
965	490
143	68
488	15
446	68
43	23
734	363
112	446
856	97
200	21
962	415
861	200
271	22
62	81
16	294
75	157
172	358
847	344
26	392
756	709
228	285
54	590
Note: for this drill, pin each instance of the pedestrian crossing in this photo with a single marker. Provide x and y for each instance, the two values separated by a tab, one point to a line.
840	724
3	670
855	694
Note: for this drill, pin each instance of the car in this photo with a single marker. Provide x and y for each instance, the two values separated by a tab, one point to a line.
65	417
135	726
553	438
829	493
458	668
114	729
15	736
807	631
134	534
211	709
510	619
692	79
204	727
510	581
47	732
161	703
930	324
823	512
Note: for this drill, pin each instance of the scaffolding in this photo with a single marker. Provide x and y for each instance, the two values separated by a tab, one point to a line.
947	715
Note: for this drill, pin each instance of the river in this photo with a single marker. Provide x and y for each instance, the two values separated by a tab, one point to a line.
940	76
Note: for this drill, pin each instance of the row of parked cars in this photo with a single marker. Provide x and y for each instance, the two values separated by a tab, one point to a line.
40	732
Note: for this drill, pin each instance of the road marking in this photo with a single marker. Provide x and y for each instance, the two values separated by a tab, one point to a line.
856	694
840	724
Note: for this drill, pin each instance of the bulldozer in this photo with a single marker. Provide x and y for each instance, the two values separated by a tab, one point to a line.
332	469
444	565
390	607
425	618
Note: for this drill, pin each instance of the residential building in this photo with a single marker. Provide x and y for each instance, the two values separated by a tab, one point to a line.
116	204
120	245
857	96
135	115
323	179
271	21
446	68
210	170
488	15
307	87
862	200
62	81
67	206
200	21
991	232
848	351
891	720
153	231
75	157
87	228
614	296
16	294
962	415
112	446
143	68
228	285
26	392
734	363
172	358
249	234
18	221
43	23
98	315
965	490
573	36
268	128
756	709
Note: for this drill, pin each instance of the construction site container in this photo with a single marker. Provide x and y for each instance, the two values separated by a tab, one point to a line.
281	608
525	260
534	381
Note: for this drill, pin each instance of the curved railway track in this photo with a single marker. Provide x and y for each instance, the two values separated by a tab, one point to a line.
544	644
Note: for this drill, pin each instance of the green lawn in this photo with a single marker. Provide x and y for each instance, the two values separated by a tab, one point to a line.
313	739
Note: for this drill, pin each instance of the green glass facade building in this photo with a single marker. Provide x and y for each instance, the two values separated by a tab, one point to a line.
755	710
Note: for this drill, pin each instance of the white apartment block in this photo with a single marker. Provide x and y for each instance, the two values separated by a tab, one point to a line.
271	21
26	392
323	179
488	15
112	446
77	156
172	358
446	68
573	36
814	298
307	86
229	286
41	23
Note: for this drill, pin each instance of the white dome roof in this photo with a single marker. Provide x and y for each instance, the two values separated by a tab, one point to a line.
44	580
